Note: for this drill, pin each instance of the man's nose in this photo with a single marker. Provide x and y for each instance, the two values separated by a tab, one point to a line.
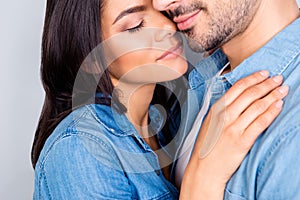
163	5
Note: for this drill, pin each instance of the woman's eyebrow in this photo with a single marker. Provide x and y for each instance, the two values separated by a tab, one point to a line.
129	11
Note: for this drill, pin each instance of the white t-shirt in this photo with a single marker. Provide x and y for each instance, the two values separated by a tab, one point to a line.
188	145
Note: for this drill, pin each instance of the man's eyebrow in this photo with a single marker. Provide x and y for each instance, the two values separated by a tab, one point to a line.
129	11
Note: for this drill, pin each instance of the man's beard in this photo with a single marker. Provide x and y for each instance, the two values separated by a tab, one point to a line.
193	44
223	25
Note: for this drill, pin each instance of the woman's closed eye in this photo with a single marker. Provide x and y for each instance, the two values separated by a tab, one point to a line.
136	28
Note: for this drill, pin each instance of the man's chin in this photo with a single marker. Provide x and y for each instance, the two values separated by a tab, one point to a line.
195	46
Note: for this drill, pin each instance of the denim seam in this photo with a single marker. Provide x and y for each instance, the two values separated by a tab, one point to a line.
94	138
98	120
280	140
161	196
64	134
98	140
101	142
76	121
43	177
281	70
80	134
104	125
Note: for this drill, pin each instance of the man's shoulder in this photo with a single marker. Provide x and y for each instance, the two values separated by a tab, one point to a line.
274	160
272	163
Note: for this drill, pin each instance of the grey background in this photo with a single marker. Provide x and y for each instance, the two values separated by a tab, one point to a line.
21	93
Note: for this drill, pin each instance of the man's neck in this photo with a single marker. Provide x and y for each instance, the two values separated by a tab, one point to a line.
271	18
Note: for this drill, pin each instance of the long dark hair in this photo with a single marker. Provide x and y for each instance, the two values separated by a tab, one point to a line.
72	29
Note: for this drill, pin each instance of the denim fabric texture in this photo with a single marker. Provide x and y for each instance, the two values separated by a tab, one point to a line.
271	169
96	153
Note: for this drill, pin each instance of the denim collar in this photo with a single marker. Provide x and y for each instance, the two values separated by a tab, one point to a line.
275	56
207	68
269	57
118	124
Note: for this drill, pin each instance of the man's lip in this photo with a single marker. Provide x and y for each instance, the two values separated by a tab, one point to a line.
171	51
182	21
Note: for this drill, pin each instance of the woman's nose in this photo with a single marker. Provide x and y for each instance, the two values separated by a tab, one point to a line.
165	30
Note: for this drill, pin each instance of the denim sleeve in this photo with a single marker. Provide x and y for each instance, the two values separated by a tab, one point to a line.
82	167
278	178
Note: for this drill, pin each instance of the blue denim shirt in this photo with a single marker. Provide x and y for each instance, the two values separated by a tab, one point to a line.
271	170
96	153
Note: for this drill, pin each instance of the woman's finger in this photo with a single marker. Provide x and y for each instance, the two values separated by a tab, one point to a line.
240	86
259	107
251	95
260	124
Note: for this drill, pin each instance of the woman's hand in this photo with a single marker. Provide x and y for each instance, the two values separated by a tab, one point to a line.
235	121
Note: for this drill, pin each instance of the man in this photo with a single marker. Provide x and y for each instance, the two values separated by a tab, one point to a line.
246	36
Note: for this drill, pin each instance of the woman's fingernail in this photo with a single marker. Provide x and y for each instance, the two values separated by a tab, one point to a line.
279	104
284	89
264	73
277	79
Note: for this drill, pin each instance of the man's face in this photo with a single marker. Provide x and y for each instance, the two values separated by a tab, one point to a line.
208	24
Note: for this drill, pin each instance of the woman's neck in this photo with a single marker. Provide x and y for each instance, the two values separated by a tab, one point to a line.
137	98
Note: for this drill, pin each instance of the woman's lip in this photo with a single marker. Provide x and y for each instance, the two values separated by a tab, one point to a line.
172	52
184	22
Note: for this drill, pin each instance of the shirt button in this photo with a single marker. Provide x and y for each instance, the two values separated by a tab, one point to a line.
157	172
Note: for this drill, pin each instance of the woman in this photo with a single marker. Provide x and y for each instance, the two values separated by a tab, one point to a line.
98	137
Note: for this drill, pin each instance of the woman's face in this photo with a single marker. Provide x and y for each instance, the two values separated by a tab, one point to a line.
141	44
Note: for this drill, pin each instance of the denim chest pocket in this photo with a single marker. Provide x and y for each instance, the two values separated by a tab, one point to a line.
231	196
